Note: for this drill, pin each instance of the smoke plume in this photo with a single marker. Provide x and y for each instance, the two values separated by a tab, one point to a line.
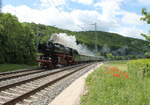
70	41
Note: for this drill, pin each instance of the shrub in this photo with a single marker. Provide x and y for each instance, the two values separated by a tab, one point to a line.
139	67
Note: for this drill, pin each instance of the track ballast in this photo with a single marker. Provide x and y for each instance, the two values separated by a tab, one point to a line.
16	92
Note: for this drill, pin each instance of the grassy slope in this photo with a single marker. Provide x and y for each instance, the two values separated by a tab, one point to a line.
112	40
104	89
12	67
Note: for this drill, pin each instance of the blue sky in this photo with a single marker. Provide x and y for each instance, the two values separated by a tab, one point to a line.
119	16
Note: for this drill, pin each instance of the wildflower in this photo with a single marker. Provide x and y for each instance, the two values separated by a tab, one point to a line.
126	76
115	72
116	75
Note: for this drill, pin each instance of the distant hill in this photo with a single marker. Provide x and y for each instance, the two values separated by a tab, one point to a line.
114	43
107	42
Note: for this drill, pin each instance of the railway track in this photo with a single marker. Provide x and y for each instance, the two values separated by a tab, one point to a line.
24	76
12	75
17	71
12	93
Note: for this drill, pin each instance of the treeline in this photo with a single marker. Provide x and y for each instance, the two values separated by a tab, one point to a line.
16	41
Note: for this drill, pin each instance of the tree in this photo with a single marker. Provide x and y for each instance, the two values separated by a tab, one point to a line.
16	41
147	55
109	56
146	17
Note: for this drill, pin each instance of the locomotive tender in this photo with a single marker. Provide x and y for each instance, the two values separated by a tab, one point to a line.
54	54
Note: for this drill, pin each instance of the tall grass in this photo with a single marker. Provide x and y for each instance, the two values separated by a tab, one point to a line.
140	67
105	88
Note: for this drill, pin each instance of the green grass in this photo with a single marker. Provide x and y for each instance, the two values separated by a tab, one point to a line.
140	67
120	64
105	89
12	67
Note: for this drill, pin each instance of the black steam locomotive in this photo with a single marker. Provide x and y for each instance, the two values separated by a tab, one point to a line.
54	54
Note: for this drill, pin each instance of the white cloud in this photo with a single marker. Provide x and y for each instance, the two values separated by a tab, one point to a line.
86	2
145	2
67	20
49	3
111	11
131	18
49	16
130	32
110	8
86	18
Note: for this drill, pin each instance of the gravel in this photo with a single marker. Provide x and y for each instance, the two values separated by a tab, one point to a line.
15	92
52	91
18	79
14	80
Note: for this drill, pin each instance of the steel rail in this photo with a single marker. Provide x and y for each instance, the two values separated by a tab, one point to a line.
19	75
34	78
26	95
17	71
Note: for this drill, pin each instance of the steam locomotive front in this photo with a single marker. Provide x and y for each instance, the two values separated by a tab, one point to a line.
47	52
46	48
54	54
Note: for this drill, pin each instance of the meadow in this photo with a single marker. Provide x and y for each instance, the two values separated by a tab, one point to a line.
117	83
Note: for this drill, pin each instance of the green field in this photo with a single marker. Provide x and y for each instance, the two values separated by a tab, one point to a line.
12	67
113	84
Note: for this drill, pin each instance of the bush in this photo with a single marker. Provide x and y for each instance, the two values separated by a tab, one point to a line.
147	55
139	67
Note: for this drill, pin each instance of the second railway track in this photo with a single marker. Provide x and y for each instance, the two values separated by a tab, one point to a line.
17	71
13	93
18	74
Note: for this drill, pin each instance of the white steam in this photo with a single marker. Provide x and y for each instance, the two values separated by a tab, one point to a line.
70	41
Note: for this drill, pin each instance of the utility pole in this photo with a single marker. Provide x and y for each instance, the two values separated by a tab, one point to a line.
95	37
0	6
95	29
